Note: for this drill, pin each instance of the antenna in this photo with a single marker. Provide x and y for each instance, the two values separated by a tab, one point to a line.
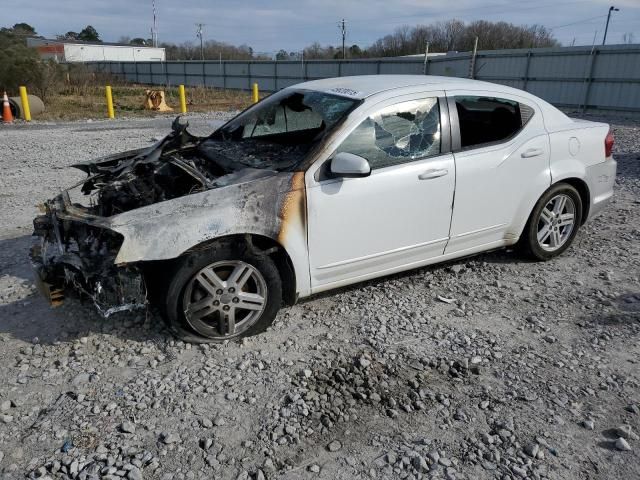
199	35
343	28
154	30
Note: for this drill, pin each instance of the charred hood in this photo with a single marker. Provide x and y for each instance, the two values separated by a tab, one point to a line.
180	164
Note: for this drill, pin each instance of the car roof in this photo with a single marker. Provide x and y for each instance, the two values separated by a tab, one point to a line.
362	86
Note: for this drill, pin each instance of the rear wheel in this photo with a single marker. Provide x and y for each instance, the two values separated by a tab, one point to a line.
224	293
554	222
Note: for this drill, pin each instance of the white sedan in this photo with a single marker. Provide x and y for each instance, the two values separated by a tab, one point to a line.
321	185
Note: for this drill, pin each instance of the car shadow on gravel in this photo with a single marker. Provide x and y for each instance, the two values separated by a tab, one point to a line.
31	316
14	257
25	315
626	313
33	320
618	319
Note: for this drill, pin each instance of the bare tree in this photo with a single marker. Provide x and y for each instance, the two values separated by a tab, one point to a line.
212	50
451	34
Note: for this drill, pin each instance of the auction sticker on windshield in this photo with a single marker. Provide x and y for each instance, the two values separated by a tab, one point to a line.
346	91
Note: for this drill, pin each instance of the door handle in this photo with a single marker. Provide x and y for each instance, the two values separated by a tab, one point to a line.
532	152
434	173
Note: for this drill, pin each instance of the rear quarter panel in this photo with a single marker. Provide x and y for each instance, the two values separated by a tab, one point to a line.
577	151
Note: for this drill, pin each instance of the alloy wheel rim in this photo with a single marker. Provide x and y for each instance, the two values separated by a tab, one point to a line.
224	299
556	222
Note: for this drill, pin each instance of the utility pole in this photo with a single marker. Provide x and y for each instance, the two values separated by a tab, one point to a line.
199	35
611	9
343	28
472	63
426	59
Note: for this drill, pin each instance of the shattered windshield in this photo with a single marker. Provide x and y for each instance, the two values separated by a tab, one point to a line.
278	132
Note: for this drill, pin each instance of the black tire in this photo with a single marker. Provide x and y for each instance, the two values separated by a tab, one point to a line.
192	264
529	239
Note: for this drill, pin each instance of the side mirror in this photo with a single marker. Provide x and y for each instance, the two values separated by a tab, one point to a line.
349	165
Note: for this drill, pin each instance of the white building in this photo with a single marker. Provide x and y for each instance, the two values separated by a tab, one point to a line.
78	52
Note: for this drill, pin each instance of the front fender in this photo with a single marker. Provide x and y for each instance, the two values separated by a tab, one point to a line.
273	207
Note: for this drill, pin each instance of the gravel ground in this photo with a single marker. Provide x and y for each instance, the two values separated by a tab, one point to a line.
487	367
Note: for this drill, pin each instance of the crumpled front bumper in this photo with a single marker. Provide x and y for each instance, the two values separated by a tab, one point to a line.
74	256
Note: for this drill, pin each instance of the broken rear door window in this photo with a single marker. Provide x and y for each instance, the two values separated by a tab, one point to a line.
487	120
397	134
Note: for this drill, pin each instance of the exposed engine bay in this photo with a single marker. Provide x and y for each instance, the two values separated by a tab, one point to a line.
168	169
179	164
141	182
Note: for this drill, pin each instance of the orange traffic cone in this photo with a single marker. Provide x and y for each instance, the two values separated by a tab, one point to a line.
6	110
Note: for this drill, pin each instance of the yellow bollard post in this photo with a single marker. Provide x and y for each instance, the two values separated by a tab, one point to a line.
25	104
183	99
109	102
255	96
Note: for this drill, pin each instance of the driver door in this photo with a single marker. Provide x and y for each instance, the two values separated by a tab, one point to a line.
399	216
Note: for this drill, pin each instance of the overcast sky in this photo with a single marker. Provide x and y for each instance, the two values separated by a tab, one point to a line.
293	24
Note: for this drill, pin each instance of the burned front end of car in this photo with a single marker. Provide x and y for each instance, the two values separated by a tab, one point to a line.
142	212
78	243
75	255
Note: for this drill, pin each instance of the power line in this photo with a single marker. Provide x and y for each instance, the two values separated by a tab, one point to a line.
586	20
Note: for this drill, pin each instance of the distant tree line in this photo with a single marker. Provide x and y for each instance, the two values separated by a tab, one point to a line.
212	50
452	35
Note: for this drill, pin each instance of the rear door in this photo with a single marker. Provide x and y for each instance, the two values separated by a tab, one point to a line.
501	151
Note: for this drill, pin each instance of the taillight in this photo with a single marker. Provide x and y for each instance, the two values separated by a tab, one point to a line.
608	144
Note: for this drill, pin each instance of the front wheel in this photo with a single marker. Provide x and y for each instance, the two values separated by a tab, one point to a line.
225	292
554	222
